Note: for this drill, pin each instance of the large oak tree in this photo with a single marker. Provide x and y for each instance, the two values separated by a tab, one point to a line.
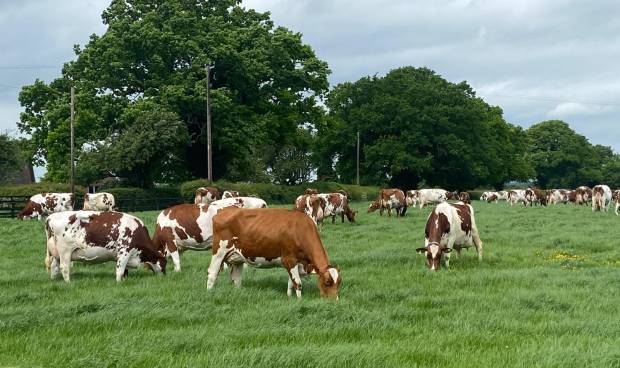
265	85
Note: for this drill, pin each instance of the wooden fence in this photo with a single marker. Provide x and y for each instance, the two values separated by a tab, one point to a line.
10	206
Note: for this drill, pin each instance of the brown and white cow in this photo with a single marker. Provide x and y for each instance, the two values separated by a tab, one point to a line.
535	196
490	197
583	195
230	194
45	204
207	195
96	237
312	205
617	199
601	198
190	226
556	196
517	195
337	204
99	202
450	225
428	196
271	238
464	197
412	198
390	199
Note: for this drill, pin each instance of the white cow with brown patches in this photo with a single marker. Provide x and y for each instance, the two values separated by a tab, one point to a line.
101	201
429	196
449	226
44	204
517	195
601	198
190	226
96	237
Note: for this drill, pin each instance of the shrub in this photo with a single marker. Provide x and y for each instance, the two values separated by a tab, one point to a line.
273	193
44	187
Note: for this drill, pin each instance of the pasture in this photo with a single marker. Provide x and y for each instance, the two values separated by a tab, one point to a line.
545	295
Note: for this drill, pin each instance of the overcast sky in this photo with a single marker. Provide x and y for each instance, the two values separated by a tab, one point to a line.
538	60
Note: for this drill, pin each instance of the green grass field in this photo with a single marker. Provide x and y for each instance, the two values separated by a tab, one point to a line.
547	294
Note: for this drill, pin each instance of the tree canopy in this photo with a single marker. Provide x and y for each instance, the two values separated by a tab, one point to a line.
265	85
10	158
563	158
418	128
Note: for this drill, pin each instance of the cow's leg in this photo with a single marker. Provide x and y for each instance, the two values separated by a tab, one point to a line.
477	243
216	261
236	273
65	262
54	267
617	207
121	263
447	255
294	281
173	251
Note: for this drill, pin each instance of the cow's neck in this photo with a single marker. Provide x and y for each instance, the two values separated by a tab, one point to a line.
318	258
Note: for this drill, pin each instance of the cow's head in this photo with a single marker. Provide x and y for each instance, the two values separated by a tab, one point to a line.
31	210
157	263
433	252
329	282
350	214
374	206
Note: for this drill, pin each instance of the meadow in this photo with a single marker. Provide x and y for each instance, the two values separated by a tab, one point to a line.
545	295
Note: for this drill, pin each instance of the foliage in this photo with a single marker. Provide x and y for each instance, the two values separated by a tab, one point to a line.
278	193
264	86
145	152
522	306
415	125
31	189
10	158
564	159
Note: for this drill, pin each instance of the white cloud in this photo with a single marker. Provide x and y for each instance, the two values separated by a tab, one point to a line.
572	109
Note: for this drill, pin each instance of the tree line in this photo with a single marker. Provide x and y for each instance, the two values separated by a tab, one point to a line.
141	112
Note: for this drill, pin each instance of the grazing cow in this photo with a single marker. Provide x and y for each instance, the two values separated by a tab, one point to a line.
490	197
190	226
583	195
390	199
206	195
96	237
428	196
230	194
412	198
556	196
449	225
271	238
45	204
337	204
98	202
535	196
312	205
601	197
464	197
517	195
311	191
617	199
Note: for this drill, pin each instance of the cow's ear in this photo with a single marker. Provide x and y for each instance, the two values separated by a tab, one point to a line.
327	277
421	250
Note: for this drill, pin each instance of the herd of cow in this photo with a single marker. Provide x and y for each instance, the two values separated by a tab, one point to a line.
243	231
599	197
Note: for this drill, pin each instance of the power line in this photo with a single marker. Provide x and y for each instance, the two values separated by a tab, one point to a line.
551	99
27	67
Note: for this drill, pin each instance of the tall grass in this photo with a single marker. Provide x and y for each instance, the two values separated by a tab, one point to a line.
546	295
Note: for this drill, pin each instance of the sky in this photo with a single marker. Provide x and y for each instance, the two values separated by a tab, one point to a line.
538	60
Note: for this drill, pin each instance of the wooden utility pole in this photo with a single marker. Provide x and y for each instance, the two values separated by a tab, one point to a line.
209	152
357	181
72	142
